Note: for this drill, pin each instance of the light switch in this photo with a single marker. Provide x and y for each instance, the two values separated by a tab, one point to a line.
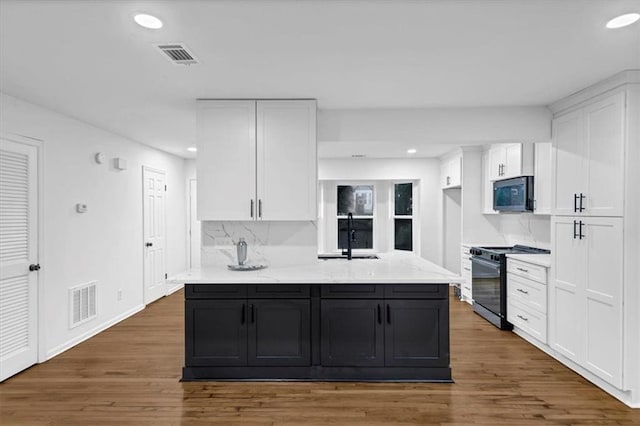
81	208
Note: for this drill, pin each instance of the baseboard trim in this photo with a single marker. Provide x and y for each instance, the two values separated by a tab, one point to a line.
87	335
174	289
623	396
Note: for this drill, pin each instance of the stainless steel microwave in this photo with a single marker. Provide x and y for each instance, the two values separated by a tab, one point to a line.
513	195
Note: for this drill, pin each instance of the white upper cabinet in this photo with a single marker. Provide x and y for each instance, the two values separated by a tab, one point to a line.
588	159
542	178
287	160
226	162
487	185
510	160
451	171
257	160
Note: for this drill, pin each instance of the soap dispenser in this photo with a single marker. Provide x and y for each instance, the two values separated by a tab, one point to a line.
242	251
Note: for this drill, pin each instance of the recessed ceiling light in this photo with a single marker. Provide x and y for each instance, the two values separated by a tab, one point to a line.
148	21
192	149
623	20
411	151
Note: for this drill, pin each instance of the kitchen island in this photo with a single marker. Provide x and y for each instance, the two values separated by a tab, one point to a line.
383	319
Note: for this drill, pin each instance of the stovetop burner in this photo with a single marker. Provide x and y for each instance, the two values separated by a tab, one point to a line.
493	252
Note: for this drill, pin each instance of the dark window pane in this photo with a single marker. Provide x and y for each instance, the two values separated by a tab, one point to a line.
357	200
403	234
404	199
364	234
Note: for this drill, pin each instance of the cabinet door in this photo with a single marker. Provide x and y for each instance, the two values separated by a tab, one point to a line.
352	333
542	181
417	333
287	160
226	163
568	159
604	124
603	290
215	332
512	160
567	288
279	332
455	171
497	158
487	188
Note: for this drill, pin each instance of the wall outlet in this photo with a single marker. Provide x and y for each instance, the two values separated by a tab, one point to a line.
119	296
224	241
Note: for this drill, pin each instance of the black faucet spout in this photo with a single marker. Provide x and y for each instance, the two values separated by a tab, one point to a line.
351	236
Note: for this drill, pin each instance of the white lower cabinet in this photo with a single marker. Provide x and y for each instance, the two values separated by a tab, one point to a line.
465	270
586	293
527	298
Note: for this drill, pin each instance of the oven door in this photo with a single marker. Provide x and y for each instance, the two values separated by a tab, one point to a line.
485	283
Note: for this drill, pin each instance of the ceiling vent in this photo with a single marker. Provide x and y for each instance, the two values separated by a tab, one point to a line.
178	53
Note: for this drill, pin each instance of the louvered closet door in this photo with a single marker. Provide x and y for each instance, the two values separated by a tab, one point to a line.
18	249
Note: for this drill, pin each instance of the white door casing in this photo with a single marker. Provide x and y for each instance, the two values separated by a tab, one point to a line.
154	234
18	250
195	236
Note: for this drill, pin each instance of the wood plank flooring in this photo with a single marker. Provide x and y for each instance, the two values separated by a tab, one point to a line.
129	375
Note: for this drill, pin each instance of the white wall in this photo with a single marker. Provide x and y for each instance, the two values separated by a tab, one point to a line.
104	244
424	170
436	125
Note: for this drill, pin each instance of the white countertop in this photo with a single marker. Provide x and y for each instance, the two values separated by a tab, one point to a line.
390	268
536	259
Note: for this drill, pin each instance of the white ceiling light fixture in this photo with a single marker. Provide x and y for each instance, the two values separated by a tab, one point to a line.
412	151
623	20
148	21
192	149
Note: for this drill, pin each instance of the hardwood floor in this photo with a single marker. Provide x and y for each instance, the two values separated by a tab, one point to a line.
129	375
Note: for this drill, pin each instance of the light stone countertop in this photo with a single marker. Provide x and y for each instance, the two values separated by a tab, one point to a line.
536	259
390	268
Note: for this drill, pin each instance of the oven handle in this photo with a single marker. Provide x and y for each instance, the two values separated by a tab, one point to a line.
492	265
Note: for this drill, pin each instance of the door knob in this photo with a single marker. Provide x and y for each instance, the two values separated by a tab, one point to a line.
149	244
34	267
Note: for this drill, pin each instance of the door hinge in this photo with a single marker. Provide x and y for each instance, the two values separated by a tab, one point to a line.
166	276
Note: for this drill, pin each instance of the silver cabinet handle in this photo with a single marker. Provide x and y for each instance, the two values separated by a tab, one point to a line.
252	209
260	209
523	270
522	318
522	291
467	269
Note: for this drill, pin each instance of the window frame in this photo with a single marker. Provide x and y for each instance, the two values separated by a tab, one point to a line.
393	216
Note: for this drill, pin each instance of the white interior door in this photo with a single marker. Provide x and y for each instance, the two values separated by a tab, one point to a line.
194	226
18	256
154	193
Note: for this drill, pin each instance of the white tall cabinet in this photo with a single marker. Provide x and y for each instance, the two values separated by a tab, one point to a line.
595	203
257	160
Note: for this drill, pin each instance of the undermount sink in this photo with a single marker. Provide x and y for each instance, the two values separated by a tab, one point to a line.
355	256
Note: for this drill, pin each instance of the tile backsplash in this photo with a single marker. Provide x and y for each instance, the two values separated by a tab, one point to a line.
270	243
527	229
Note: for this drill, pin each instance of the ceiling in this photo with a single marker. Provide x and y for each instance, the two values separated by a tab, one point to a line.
91	61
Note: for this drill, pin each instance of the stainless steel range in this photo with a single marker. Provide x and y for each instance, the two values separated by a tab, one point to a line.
489	281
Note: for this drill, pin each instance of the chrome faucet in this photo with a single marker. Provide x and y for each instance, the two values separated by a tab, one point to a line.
351	236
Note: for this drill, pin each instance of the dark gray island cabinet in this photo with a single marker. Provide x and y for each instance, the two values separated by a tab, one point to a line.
378	332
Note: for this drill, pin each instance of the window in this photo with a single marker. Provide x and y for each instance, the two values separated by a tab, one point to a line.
403	216
357	200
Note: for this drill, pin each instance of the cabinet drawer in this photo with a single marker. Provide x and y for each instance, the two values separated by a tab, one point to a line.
530	293
216	291
416	291
350	291
530	321
465	252
279	291
527	270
